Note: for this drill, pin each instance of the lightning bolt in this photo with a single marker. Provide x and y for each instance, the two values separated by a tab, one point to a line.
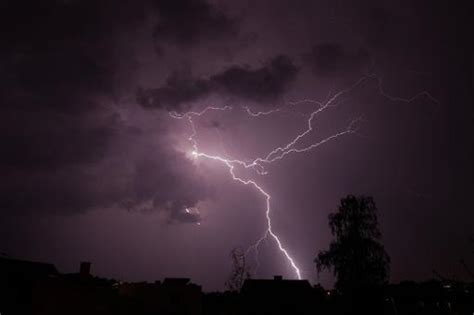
280	152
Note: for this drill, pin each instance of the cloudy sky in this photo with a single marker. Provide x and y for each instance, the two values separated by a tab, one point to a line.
94	167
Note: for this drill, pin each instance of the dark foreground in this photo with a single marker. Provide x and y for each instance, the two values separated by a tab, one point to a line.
38	288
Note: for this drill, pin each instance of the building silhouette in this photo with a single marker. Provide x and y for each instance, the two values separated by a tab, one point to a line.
18	279
279	296
38	288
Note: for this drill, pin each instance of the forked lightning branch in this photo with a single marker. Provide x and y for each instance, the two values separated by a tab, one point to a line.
292	147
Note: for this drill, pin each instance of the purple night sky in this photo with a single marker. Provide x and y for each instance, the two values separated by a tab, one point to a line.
94	167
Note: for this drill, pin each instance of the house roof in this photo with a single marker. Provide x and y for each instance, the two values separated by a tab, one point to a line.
26	268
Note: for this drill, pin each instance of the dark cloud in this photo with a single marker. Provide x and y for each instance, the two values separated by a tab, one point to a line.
179	88
260	84
56	64
59	128
67	190
331	59
185	23
168	183
40	142
52	162
380	26
61	55
58	177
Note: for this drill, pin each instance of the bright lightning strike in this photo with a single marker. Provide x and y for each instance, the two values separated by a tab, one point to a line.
281	152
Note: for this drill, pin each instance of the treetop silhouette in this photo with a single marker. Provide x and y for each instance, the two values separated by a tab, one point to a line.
356	256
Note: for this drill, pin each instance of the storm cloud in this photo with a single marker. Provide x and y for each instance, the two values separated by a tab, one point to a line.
61	77
80	143
256	84
331	59
191	22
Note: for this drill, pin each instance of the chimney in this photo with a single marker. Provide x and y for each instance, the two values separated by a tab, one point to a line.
85	269
277	278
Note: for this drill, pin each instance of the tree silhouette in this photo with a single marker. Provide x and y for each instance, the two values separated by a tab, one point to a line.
240	270
356	257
